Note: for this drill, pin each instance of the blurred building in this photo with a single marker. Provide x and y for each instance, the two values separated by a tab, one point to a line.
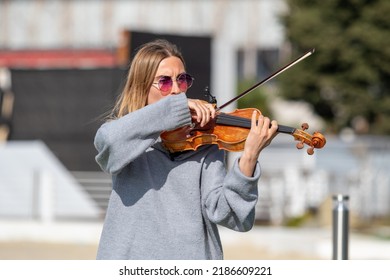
68	59
245	29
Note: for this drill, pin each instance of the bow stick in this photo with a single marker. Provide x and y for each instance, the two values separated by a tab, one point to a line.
267	79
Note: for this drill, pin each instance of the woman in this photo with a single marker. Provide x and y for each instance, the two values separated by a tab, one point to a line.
168	206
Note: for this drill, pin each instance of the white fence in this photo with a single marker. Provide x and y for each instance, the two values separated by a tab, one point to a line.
293	182
33	184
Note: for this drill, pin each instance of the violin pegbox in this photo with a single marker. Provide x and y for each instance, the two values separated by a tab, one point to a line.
315	141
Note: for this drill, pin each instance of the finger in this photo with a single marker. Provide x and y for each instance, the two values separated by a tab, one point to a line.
212	110
254	122
266	126
201	114
198	112
274	128
206	118
208	112
274	124
260	122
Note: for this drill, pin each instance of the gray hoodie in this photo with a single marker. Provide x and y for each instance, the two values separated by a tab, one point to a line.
168	206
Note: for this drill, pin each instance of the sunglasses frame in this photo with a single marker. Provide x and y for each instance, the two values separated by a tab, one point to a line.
177	79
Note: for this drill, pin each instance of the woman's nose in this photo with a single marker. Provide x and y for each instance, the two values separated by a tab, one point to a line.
175	88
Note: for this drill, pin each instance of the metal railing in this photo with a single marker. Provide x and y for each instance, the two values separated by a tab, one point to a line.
97	184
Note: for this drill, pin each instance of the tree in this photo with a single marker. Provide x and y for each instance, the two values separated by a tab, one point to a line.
347	79
256	99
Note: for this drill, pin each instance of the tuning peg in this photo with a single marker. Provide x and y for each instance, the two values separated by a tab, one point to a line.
305	126
310	151
299	145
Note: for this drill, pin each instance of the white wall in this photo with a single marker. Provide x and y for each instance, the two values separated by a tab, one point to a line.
46	24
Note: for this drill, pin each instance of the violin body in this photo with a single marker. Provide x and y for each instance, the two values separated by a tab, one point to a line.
229	131
191	137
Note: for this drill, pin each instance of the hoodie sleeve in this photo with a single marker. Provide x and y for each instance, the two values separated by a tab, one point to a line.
120	141
229	198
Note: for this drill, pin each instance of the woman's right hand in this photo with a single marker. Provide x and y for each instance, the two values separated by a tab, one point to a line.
201	111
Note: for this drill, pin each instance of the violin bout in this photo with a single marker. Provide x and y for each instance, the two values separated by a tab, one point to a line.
191	138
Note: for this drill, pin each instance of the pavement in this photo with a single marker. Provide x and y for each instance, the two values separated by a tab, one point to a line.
78	240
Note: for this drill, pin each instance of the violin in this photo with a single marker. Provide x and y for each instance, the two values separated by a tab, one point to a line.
229	131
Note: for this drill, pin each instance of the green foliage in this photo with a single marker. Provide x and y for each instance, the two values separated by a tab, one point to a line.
299	220
347	79
255	99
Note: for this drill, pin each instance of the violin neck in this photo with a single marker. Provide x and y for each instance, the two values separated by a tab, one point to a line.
286	129
225	119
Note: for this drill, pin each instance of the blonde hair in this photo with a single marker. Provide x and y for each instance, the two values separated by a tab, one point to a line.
141	74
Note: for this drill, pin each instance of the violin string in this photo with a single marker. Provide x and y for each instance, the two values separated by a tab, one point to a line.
233	120
226	119
236	120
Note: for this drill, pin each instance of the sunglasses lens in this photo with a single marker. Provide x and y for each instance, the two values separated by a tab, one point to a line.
165	83
184	81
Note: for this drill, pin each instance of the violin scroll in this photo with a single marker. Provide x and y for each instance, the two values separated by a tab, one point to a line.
315	141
